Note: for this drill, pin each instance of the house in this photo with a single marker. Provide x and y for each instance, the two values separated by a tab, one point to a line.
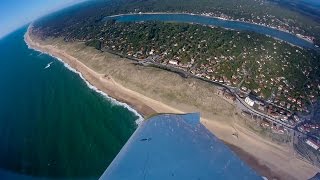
173	62
313	144
249	101
261	108
244	88
274	115
280	130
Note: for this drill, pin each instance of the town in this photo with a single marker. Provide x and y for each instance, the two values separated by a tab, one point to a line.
250	11
268	78
240	60
268	21
269	87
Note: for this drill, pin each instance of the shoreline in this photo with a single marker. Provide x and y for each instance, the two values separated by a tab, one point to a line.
116	100
89	85
147	106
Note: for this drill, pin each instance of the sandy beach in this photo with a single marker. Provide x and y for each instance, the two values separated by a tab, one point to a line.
150	90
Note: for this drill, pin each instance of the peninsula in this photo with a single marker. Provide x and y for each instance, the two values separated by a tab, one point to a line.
151	90
254	92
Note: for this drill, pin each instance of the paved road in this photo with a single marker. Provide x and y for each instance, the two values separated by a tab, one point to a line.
241	104
240	100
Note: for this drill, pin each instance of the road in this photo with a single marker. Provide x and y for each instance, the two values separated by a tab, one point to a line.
241	104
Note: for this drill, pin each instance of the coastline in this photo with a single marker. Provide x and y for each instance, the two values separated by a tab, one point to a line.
90	86
148	106
116	99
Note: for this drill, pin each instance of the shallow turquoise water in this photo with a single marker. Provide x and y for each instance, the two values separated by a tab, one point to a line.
51	124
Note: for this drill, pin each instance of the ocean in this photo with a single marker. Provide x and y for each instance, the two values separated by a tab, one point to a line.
53	124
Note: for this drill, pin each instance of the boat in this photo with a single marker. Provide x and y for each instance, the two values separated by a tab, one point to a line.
48	65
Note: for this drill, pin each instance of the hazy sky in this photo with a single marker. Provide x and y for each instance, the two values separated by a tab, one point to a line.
15	13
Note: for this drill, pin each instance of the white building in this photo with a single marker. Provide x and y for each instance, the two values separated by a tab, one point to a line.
249	101
312	144
173	62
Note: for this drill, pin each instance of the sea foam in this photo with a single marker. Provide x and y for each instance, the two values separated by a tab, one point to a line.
112	100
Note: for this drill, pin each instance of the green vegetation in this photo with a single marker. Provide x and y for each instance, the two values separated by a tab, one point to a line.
272	70
257	11
75	22
94	43
264	65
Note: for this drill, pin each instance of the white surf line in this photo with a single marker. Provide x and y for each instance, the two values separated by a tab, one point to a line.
111	99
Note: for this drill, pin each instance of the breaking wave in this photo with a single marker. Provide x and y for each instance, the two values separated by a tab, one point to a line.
112	100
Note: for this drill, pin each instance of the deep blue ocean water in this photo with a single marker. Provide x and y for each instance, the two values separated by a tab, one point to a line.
51	124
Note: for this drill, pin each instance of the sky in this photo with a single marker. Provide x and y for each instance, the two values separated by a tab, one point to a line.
16	13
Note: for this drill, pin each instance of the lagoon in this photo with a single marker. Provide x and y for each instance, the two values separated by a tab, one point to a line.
212	21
